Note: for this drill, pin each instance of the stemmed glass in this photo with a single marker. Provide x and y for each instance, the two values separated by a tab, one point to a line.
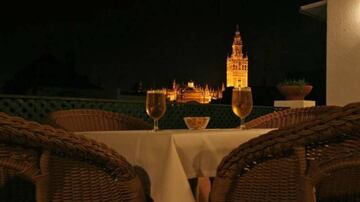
242	103
155	105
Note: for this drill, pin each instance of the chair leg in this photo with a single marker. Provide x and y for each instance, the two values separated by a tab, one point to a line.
204	184
200	187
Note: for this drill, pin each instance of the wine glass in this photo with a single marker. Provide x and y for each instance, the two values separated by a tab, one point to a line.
242	103
155	105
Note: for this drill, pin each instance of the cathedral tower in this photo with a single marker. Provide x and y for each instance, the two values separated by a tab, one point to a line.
237	64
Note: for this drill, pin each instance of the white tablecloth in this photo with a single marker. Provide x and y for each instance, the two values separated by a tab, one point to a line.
170	157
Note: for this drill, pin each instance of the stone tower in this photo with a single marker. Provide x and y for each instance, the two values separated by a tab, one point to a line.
237	64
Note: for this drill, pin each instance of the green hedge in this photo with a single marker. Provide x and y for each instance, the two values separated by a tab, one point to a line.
37	109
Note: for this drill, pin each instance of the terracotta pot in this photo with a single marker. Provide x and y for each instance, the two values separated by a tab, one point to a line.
295	92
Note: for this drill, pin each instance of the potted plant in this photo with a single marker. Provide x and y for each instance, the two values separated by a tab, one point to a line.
294	89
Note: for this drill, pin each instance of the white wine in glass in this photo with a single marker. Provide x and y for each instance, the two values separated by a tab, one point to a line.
242	103
155	105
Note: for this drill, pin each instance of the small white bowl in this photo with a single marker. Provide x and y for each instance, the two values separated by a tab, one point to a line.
197	123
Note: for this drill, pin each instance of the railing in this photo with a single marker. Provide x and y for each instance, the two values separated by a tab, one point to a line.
37	108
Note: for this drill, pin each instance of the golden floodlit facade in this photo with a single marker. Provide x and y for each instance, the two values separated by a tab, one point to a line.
193	93
236	76
237	64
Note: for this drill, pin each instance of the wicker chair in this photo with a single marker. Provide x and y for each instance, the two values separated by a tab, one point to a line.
317	158
63	166
77	120
289	117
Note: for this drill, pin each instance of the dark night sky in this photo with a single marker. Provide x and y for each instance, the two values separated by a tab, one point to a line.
118	43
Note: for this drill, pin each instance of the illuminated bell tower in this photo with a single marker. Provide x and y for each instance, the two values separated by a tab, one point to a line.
237	64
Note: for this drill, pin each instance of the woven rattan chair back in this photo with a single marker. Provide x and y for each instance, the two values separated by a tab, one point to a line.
63	166
77	120
289	117
312	160
18	169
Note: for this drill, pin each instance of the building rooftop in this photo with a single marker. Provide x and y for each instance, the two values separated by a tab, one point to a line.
316	10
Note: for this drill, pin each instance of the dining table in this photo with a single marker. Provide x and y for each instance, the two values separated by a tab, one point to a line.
170	157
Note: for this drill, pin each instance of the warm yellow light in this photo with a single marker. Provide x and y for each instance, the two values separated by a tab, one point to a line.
191	84
237	65
357	12
351	11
